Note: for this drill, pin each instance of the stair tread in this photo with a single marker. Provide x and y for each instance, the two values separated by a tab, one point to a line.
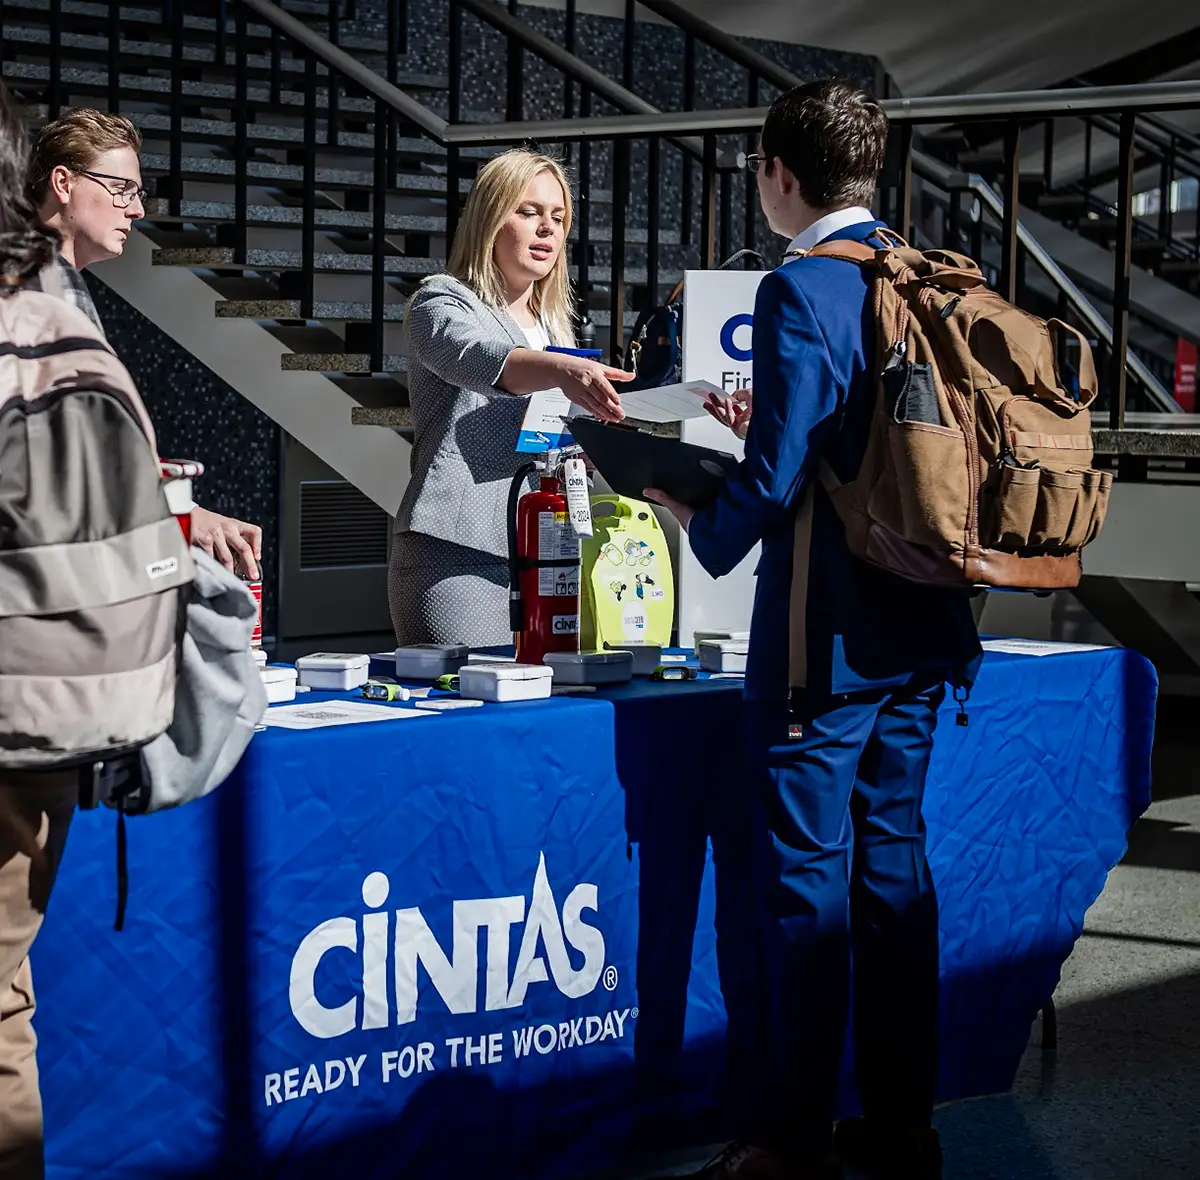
397	417
340	362
74	76
289	309
221	257
222	212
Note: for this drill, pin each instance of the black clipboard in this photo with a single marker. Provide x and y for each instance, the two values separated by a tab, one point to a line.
632	460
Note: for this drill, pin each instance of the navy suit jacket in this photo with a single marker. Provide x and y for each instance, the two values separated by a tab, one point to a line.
814	393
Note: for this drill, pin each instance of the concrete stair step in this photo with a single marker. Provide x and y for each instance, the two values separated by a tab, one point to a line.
348	363
221	258
222	213
218	92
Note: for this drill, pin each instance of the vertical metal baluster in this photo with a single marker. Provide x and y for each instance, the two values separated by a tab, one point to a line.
572	32
653	218
750	230
55	96
516	68
455	100
393	41
331	78
276	67
708	204
726	215
583	293
176	199
383	116
240	143
689	104
455	95
904	188
1087	156
954	227
1048	156
629	48
219	41
1008	240
308	230
1164	211
114	58
1123	259
620	211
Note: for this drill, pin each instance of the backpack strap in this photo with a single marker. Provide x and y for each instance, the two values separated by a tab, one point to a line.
860	253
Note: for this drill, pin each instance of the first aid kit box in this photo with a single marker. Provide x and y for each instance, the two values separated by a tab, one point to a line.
646	656
590	667
699	637
723	655
505	682
280	684
334	671
428	661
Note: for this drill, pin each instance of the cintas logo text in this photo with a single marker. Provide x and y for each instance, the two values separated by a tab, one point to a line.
402	938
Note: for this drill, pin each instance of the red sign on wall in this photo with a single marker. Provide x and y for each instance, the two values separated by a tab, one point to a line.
1185	375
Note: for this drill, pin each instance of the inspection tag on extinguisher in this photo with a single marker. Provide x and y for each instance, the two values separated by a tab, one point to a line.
579	503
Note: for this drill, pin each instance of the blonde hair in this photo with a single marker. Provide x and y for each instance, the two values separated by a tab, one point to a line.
493	198
76	140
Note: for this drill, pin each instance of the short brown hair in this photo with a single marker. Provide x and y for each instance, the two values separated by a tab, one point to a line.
831	136
76	140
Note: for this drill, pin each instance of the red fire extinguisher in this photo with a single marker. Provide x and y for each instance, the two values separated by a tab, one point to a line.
543	562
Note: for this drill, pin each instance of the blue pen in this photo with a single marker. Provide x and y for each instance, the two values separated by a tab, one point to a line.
588	353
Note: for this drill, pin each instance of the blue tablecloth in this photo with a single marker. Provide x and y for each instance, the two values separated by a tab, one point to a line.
412	948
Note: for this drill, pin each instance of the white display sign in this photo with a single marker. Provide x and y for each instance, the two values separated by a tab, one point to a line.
718	311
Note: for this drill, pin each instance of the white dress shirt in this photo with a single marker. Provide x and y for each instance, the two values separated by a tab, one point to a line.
826	226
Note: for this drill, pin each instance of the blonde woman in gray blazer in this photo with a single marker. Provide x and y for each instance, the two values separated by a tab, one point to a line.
476	341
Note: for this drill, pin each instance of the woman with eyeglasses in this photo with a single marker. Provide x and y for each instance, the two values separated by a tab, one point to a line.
85	181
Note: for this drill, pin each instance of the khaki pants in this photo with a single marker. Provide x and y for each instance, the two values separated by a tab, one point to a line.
35	813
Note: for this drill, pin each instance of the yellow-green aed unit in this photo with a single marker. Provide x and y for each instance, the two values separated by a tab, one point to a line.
628	584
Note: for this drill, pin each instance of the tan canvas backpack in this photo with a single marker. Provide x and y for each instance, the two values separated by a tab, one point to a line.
978	467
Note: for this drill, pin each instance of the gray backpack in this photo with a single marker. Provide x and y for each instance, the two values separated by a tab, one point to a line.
94	570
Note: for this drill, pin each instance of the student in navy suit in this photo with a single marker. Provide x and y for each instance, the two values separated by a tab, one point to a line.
838	750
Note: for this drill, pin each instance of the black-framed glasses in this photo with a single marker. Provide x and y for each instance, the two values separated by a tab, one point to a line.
122	197
751	161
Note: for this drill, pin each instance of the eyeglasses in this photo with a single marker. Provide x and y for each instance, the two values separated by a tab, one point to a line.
751	161
122	197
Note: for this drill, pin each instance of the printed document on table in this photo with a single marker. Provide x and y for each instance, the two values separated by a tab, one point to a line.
318	715
669	403
1039	647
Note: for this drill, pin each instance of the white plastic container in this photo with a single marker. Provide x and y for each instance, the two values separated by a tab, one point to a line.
723	655
590	667
428	661
699	637
334	671
505	682
646	656
259	656
280	684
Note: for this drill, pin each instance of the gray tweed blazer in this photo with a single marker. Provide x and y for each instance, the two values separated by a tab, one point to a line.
465	429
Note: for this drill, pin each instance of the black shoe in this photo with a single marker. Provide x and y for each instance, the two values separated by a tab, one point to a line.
744	1161
892	1154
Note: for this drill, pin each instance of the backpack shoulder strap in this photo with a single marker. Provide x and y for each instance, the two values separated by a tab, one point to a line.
860	253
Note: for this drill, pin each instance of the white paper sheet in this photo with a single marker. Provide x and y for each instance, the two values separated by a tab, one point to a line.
668	403
1039	647
320	714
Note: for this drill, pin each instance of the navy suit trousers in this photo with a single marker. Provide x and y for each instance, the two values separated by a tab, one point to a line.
850	907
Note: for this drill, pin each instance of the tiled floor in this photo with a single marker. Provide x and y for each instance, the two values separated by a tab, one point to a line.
1120	1100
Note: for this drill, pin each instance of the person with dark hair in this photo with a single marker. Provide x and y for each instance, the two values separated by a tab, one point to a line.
846	670
35	807
85	180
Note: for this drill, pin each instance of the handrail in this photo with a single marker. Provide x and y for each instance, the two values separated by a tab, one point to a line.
1030	104
429	122
724	43
935	109
947	178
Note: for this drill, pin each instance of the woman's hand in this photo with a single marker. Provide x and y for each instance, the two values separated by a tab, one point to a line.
589	385
734	411
230	541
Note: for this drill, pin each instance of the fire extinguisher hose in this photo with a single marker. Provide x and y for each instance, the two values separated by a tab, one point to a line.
516	622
